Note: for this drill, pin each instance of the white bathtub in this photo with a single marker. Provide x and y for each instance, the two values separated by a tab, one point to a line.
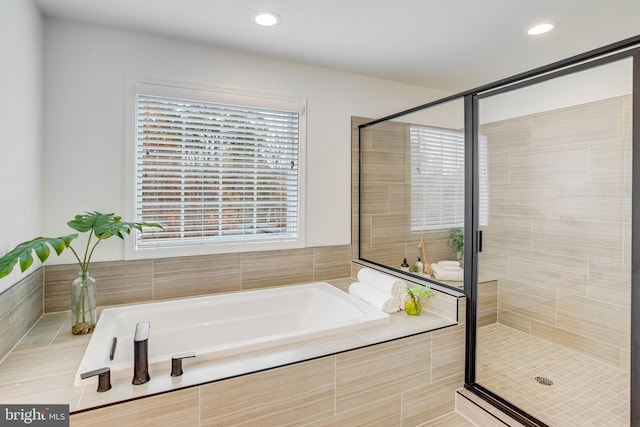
222	325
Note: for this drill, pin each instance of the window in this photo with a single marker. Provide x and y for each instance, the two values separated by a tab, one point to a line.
437	178
216	173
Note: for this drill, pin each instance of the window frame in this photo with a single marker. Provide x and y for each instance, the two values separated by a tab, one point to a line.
213	95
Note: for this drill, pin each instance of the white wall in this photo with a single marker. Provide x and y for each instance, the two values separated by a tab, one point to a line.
21	49
86	72
605	81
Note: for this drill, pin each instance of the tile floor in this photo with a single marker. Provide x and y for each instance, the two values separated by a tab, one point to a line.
452	419
585	392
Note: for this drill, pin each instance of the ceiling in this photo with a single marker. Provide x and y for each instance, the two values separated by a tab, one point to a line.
451	45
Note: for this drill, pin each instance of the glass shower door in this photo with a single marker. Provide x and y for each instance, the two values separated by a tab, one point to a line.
554	274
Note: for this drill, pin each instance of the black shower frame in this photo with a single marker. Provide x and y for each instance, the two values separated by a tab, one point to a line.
628	48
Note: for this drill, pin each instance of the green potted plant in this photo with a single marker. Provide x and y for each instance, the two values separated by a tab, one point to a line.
83	292
413	307
456	241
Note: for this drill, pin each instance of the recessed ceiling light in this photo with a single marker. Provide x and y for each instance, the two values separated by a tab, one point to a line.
266	19
540	29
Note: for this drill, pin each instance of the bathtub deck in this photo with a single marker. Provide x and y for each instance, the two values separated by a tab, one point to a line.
41	367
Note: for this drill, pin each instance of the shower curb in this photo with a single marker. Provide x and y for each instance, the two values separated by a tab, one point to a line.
480	412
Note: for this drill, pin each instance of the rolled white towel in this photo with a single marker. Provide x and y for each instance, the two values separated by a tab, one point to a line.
383	282
374	297
448	264
445	267
448	273
403	300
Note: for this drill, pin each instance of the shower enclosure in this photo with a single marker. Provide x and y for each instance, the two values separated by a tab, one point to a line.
536	172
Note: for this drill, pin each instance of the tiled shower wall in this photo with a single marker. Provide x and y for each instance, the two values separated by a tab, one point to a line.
559	237
386	197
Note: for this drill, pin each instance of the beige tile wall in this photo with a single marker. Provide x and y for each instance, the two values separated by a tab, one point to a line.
558	239
121	282
126	282
20	307
386	200
406	382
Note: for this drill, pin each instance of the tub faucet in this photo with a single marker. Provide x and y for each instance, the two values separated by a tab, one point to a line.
141	354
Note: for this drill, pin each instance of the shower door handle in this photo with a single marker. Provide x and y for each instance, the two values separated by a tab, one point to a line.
479	240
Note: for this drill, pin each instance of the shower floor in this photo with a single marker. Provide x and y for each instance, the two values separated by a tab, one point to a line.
585	392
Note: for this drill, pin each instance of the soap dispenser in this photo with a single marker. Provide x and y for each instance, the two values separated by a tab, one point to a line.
418	267
405	265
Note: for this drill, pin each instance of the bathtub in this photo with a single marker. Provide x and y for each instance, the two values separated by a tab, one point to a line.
223	325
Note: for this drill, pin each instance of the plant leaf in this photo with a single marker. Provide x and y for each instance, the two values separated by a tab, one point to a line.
23	253
42	251
106	225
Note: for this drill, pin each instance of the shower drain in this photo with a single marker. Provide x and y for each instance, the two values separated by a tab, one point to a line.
544	381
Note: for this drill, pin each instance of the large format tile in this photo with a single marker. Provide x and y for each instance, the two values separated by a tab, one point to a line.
391	254
508	135
399	200
375	198
188	276
595	319
20	307
384	413
611	164
578	238
117	282
44	332
513	231
374	373
528	199
610	282
180	408
583	344
390	135
389	229
35	364
534	302
554	272
122	282
272	268
6	337
599	202
430	401
383	166
26	299
292	395
331	262
447	352
594	122
452	419
487	303
556	165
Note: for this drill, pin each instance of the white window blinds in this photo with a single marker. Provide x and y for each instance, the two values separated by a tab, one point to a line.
437	179
215	173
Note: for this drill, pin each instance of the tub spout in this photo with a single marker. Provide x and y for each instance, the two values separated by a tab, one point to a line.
141	354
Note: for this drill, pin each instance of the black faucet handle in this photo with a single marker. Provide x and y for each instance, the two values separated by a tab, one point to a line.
176	362
104	378
142	331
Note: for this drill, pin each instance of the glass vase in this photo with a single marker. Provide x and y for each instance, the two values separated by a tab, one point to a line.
83	304
413	306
